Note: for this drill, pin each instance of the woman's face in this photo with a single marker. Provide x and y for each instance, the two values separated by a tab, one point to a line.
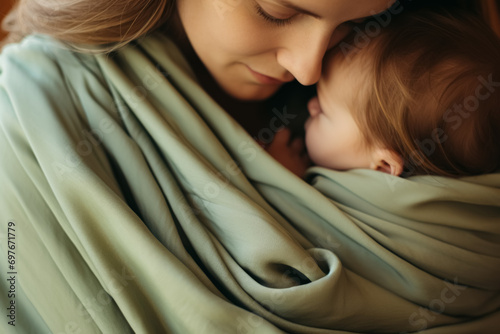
252	47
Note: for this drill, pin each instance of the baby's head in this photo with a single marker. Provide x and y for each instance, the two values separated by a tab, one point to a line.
423	97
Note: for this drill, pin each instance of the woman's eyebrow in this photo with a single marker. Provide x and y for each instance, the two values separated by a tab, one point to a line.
286	3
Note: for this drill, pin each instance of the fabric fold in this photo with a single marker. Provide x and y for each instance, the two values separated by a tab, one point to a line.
144	207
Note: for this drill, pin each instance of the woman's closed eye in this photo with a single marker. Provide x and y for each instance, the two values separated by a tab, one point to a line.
272	19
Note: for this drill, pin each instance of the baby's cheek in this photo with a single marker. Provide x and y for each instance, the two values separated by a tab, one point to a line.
313	145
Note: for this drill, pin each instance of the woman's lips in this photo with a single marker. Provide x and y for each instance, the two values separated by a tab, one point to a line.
267	80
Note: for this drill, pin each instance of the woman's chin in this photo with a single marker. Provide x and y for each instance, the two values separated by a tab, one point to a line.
252	92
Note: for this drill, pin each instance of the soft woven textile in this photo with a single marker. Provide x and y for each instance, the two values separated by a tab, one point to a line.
140	206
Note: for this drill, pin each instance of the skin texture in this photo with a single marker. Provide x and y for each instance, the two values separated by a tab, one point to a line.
231	38
333	138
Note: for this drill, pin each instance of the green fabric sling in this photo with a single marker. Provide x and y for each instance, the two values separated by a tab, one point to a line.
140	206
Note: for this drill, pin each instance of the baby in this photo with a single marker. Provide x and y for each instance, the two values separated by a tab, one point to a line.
421	97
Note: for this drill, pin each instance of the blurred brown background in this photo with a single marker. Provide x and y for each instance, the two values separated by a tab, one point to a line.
489	8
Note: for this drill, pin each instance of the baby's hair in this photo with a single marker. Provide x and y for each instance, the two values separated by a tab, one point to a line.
435	94
99	24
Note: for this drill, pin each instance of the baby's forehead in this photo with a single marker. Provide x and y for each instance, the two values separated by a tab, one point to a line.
358	64
346	80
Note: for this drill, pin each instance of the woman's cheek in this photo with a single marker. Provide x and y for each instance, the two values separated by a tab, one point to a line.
242	31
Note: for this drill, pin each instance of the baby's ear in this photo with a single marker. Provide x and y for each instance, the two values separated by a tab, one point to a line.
387	161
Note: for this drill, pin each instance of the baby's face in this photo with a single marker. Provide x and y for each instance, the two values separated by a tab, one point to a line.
333	138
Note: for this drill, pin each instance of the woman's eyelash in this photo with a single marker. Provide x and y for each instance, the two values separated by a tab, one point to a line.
270	18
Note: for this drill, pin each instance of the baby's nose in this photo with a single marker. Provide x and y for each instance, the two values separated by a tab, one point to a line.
313	106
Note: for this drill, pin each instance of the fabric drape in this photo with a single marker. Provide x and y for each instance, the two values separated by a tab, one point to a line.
140	206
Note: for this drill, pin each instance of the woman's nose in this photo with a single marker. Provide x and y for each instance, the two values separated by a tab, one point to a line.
314	107
303	55
304	64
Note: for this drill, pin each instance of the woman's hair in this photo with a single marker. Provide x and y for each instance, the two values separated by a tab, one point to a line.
93	23
435	94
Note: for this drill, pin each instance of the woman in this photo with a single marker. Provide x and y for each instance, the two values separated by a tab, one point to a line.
132	202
